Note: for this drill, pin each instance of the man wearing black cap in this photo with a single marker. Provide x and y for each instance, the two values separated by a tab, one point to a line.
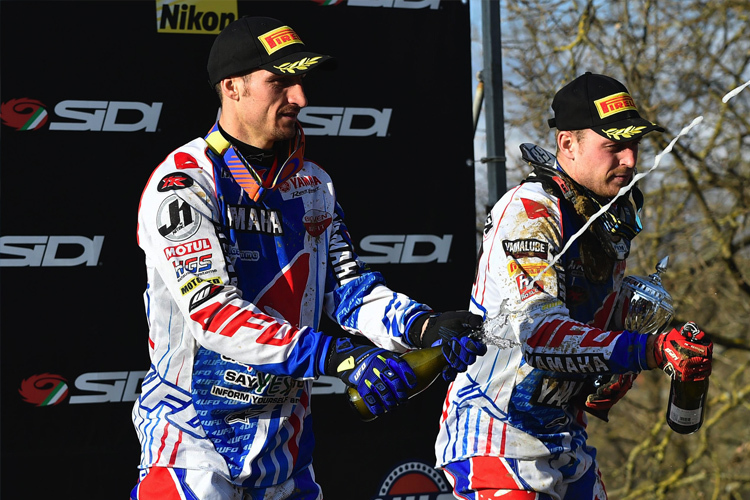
513	424
246	249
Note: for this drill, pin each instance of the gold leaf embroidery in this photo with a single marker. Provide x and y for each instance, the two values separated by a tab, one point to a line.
301	65
626	133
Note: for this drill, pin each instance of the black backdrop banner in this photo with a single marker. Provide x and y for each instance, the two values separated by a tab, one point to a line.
94	96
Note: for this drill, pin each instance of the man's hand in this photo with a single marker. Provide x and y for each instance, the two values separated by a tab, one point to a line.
609	393
684	355
380	376
452	330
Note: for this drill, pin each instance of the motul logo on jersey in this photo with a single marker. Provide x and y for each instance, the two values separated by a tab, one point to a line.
188	248
396	4
345	122
405	248
194	16
50	251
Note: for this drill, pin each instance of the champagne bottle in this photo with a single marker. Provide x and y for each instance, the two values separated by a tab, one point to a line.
687	401
427	364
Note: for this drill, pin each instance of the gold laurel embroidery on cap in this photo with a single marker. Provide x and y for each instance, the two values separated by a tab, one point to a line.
301	65
623	133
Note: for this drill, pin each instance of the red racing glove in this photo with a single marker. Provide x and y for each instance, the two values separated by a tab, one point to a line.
610	392
684	355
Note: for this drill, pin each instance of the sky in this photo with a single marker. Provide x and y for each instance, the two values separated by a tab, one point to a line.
480	139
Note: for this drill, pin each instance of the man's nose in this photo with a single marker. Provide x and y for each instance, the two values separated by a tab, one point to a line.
629	156
296	95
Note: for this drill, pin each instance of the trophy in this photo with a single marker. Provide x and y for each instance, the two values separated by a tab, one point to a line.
643	305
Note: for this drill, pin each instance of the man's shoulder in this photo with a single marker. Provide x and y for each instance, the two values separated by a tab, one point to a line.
531	190
181	168
313	168
193	154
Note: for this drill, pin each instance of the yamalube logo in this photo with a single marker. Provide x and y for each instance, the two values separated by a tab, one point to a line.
50	251
345	122
82	116
405	248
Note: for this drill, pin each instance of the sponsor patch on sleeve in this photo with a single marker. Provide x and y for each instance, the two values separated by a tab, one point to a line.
519	249
525	275
173	182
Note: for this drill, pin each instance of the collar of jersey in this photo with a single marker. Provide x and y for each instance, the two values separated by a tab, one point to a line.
255	185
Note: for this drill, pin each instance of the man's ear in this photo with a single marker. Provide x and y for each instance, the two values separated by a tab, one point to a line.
231	87
566	141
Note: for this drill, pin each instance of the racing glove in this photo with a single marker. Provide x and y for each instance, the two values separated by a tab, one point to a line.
458	334
380	376
685	355
607	394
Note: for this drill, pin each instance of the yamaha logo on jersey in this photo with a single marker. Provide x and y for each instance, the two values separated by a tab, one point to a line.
555	392
254	220
414	480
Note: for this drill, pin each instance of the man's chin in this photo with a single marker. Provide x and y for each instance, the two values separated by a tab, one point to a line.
286	133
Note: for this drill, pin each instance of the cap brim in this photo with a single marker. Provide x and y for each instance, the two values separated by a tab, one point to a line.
627	130
299	62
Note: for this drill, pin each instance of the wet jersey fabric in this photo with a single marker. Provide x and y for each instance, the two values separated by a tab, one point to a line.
516	402
236	290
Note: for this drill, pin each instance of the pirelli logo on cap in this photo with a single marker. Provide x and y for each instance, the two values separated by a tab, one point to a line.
278	39
614	103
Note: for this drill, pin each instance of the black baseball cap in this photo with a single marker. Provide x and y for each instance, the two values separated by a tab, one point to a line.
260	42
602	104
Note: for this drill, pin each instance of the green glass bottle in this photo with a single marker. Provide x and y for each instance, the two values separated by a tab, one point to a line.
427	364
687	401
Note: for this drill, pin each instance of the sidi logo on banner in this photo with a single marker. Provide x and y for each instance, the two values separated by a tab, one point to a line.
345	122
82	116
414	480
50	251
405	248
48	389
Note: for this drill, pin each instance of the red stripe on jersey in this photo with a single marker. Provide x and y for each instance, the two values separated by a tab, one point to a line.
173	457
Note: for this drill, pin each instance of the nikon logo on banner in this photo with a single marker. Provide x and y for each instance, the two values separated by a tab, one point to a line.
207	17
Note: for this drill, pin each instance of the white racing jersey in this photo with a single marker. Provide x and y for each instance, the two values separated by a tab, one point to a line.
235	294
516	401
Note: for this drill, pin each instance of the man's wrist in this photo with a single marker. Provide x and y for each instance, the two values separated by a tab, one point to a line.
650	358
416	329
